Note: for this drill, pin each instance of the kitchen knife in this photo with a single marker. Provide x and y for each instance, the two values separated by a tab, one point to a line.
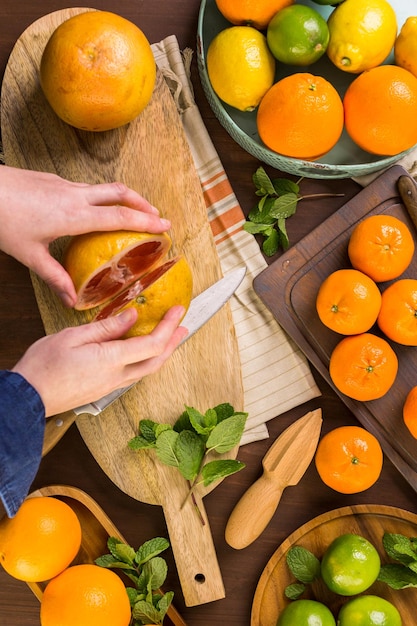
408	192
201	309
284	464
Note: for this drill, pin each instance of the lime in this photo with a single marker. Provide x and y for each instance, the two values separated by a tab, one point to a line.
306	613
369	611
297	35
350	565
240	66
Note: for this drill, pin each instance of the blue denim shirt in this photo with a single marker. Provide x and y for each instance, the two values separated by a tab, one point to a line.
22	428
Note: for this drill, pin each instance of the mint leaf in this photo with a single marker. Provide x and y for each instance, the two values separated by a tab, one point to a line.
399	547
227	434
303	564
262	182
284	206
285	185
165	448
147	429
397	576
294	591
150	549
140	443
155	571
215	470
202	423
190	452
272	243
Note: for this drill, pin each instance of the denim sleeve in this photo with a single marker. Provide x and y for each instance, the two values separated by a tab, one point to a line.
22	428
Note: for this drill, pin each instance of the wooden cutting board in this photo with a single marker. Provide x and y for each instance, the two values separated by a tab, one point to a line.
369	521
152	156
289	287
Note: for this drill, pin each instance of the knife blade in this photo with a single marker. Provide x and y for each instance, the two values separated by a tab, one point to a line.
408	192
202	308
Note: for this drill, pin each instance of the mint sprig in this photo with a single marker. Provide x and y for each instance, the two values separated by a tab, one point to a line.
403	573
305	567
279	198
148	571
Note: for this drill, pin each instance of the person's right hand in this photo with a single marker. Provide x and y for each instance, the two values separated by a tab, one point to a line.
81	364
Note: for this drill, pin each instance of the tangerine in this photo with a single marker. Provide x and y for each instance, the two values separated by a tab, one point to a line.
85	595
363	367
256	13
380	109
41	540
348	302
381	246
410	411
398	315
301	116
97	71
349	459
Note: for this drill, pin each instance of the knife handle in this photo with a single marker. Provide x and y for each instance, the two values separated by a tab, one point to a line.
254	511
408	191
55	429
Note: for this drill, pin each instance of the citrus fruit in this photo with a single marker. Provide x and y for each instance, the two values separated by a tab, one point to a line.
102	264
350	565
297	35
398	315
381	246
256	13
380	110
405	47
301	116
369	610
160	289
306	613
410	411
348	302
363	367
326	2
362	34
97	71
41	540
349	459
84	595
240	66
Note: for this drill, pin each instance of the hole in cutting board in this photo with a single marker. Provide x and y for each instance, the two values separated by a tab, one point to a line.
200	578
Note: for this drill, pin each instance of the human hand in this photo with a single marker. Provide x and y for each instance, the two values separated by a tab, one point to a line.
38	207
81	364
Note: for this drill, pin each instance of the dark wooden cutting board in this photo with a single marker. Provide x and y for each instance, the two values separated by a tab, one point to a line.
151	155
289	286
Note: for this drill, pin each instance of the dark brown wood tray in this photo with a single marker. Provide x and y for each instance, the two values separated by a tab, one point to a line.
288	287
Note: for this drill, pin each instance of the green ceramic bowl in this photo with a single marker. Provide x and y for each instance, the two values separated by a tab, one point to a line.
346	159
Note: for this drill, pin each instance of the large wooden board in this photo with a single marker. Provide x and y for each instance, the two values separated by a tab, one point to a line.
151	155
369	521
289	288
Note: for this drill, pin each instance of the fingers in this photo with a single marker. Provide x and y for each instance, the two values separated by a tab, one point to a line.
55	276
108	218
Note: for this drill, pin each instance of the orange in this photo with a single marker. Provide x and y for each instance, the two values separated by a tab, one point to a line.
381	246
301	116
380	110
348	302
349	459
256	13
162	288
41	540
85	595
398	315
410	411
102	264
97	71
363	367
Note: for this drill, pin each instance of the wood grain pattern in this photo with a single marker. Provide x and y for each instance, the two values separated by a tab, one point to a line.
289	287
96	528
152	156
369	521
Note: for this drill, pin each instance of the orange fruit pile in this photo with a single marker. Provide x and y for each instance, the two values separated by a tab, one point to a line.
128	269
83	595
41	540
349	459
97	71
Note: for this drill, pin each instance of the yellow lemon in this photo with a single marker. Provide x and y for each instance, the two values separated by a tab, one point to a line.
405	47
240	66
362	34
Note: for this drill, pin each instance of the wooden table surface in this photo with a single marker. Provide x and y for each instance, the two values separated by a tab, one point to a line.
71	463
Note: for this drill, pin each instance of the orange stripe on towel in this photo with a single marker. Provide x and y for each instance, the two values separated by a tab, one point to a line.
216	192
227	220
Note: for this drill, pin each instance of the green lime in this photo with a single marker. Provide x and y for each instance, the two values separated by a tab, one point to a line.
350	565
369	611
298	35
306	613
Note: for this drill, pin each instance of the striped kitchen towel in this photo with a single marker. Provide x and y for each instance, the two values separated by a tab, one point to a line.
276	375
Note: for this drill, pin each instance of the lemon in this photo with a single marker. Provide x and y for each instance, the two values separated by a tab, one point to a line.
297	35
240	66
405	47
362	34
